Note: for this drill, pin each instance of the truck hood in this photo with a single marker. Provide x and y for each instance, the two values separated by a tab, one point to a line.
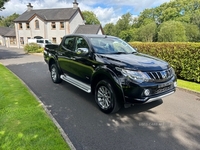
136	61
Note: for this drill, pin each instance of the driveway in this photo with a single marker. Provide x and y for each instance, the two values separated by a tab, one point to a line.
170	123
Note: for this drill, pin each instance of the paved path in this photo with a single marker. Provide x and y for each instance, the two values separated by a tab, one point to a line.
170	123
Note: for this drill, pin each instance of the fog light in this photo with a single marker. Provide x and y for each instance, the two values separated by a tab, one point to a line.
146	92
175	84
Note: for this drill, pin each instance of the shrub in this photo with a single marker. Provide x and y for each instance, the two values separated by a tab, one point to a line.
183	57
33	48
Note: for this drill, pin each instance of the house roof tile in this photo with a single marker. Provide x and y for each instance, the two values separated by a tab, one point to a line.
4	30
10	33
48	14
88	29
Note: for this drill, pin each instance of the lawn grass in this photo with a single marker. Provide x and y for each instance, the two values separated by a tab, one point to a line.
189	85
24	125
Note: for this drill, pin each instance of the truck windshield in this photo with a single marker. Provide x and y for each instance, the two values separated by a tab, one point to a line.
109	45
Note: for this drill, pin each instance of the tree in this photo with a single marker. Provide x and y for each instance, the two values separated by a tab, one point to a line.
134	34
179	10
172	31
123	24
184	11
8	21
2	2
147	32
90	17
195	19
109	29
145	17
192	32
126	35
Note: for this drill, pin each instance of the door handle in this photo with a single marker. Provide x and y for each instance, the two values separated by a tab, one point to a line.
60	53
72	58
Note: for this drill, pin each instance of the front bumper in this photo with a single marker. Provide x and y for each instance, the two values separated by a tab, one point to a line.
159	97
148	92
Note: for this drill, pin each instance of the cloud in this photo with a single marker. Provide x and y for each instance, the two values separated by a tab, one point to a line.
105	15
136	5
108	11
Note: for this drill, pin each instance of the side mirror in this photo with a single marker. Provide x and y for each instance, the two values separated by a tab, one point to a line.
82	51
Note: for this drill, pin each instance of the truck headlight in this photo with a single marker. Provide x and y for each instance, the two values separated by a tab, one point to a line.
137	76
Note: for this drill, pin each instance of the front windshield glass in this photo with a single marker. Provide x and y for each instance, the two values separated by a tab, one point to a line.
110	45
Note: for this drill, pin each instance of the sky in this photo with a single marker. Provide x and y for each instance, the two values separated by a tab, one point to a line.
107	11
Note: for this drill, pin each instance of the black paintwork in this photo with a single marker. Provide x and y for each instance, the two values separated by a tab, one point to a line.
93	66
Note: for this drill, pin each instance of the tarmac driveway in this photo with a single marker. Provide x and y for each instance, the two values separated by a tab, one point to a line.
170	123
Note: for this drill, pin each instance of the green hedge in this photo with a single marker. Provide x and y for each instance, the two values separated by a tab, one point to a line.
33	48
183	57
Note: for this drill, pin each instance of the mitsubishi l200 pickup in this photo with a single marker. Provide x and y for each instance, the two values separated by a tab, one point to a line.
108	67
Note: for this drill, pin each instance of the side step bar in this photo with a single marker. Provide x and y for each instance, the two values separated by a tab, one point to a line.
79	84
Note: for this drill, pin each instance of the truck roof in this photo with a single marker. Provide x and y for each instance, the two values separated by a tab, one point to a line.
89	35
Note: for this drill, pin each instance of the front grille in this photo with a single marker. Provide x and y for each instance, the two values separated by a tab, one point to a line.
160	76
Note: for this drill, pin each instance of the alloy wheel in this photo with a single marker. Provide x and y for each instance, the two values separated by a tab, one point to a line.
53	73
104	97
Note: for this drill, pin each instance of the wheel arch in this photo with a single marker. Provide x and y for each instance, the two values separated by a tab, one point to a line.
54	61
107	74
51	61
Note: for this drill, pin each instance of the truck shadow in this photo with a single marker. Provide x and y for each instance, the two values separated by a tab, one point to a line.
137	108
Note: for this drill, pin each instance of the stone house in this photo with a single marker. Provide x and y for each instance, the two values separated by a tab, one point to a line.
7	37
50	24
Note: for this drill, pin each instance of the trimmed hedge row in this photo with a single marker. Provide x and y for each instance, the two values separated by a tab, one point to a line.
33	48
183	57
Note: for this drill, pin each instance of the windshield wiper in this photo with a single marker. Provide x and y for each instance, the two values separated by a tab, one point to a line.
133	52
119	53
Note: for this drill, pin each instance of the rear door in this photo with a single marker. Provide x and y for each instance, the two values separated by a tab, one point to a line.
66	53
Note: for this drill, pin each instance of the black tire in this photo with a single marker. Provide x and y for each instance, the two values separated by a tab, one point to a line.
55	75
106	98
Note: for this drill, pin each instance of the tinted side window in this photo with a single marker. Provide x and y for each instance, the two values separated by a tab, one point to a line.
39	41
46	41
69	43
81	43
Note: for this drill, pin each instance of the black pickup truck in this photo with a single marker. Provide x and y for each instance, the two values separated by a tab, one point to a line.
111	69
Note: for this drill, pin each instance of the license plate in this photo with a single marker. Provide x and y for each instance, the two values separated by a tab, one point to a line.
164	87
165	84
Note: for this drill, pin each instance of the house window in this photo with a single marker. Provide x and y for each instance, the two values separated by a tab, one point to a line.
21	40
61	39
53	25
13	41
62	25
54	40
37	24
20	25
27	26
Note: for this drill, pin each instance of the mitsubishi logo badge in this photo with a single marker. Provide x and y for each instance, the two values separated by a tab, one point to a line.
164	74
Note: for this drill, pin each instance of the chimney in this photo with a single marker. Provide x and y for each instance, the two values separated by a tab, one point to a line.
29	7
75	5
